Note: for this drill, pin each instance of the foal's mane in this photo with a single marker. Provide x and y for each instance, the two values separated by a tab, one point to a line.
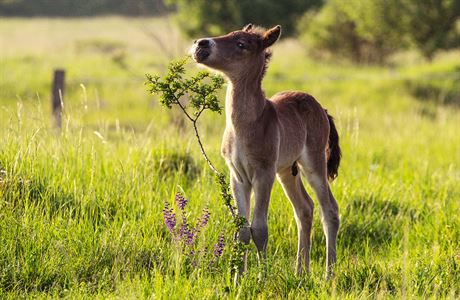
259	31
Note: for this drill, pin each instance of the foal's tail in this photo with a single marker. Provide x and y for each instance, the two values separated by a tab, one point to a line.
333	160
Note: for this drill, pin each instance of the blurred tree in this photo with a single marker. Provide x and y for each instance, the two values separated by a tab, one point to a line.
433	24
80	8
364	31
210	17
369	31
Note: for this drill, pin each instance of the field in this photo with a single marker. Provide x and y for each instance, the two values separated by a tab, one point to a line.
81	208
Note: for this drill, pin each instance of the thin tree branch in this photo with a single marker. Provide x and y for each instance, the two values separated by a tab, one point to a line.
203	151
185	111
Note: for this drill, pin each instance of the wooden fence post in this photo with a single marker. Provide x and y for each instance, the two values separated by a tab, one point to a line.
57	97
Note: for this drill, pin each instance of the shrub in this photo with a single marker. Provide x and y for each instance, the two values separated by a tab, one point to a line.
370	31
432	25
363	31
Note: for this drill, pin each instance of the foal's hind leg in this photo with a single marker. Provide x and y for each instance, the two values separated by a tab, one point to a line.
303	208
314	166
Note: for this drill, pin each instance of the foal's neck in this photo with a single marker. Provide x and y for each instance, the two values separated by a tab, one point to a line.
245	100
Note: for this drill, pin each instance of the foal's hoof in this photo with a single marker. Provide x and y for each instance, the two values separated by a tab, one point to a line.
329	274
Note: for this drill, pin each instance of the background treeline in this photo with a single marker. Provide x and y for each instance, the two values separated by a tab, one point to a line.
75	8
215	17
363	31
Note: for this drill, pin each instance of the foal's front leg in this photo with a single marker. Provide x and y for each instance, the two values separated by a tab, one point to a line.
241	190
262	184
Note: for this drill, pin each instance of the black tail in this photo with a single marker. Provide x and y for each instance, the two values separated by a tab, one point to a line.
333	161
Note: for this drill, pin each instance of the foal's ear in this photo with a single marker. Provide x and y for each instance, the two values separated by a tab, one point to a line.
271	36
247	28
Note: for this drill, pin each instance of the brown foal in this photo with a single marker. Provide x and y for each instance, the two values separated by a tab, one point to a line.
267	138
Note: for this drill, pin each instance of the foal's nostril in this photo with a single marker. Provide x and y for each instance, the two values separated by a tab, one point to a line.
203	43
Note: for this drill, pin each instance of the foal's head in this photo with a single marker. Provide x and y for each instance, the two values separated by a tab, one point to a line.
239	53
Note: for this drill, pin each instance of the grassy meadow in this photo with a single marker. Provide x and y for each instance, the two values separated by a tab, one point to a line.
81	208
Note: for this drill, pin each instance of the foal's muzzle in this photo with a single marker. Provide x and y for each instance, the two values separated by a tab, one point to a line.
201	49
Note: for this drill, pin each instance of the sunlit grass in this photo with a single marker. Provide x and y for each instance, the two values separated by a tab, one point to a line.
81	209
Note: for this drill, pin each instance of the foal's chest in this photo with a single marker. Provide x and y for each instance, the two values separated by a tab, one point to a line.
237	153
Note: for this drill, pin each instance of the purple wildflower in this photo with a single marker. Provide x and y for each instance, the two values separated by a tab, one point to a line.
190	237
169	217
181	201
203	220
219	247
186	233
193	259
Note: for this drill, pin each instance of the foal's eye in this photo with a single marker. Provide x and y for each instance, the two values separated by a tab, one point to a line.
240	45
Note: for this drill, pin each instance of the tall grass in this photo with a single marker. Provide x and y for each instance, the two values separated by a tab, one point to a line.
81	209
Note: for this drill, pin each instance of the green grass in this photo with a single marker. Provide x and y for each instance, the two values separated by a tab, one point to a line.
81	209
